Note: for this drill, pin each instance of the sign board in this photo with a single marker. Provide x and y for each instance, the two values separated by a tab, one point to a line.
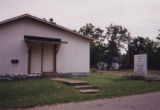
140	64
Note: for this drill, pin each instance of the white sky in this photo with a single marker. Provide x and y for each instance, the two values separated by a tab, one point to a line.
140	17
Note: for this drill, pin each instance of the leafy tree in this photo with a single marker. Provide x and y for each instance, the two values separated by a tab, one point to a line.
158	35
157	55
151	48
140	45
96	47
117	34
105	47
91	31
137	45
117	37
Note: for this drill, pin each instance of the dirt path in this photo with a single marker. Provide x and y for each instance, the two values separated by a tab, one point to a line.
149	101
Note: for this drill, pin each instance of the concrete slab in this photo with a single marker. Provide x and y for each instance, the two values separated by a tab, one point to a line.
85	87
84	91
69	81
82	86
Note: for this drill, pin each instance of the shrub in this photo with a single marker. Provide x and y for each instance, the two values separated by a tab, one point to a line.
20	77
93	70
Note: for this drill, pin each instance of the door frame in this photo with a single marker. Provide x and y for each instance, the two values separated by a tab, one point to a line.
55	50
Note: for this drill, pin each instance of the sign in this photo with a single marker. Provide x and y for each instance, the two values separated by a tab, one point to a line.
140	64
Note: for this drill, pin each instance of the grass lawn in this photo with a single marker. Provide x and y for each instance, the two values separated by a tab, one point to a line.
28	93
129	71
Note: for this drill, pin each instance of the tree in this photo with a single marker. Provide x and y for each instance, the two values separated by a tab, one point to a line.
137	45
91	31
117	37
96	47
151	50
157	55
140	45
117	34
158	35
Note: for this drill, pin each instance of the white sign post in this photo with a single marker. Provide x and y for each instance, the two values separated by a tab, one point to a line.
140	65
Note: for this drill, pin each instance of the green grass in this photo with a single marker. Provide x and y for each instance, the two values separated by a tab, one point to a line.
29	93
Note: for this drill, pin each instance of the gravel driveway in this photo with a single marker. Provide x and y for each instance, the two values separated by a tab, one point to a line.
149	101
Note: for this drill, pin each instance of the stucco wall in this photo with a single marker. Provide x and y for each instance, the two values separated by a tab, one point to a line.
72	57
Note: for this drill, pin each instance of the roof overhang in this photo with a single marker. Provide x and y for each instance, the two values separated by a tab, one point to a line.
46	22
44	40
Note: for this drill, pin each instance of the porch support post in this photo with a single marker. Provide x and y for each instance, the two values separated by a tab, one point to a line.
29	58
55	58
41	57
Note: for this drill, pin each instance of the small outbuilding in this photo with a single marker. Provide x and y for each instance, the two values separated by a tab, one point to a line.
114	64
29	44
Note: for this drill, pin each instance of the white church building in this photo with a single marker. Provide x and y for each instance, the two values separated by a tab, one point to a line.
29	44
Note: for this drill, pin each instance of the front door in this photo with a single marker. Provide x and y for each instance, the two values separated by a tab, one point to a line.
41	58
35	58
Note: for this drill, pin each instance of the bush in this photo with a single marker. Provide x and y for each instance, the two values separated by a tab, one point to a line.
93	70
20	77
135	77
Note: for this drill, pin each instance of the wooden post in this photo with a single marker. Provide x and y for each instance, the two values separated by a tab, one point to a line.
55	58
42	57
29	58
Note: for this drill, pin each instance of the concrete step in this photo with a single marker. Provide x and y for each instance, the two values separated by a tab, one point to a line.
69	81
84	91
85	87
82	86
78	83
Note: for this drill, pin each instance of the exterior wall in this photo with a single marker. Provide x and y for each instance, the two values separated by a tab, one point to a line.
13	47
71	58
115	65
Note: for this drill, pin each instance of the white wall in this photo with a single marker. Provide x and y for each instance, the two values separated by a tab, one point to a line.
12	46
115	65
72	57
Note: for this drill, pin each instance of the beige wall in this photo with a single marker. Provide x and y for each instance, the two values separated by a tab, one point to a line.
72	57
36	54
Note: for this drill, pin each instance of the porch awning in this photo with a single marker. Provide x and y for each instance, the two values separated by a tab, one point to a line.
35	39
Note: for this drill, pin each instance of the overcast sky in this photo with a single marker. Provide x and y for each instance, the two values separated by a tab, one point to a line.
140	17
